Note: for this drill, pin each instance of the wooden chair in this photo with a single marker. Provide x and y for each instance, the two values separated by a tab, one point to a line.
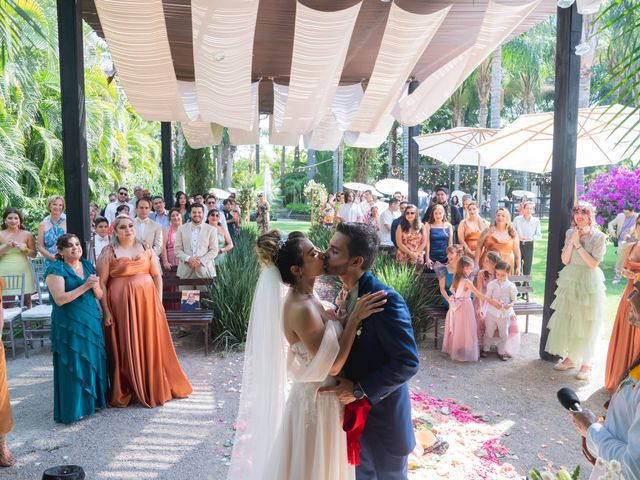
13	306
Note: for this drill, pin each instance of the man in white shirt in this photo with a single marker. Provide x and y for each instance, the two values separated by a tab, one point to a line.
196	246
100	239
619	228
367	202
160	213
528	228
386	219
146	229
350	211
123	197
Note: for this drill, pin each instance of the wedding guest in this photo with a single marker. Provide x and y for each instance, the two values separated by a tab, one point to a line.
484	276
499	319
460	329
624	345
198	198
169	258
94	210
225	244
182	204
6	420
618	437
446	272
123	199
350	211
396	223
438	234
410	238
523	203
262	214
138	192
80	378
51	228
339	200
367	204
452	214
159	213
196	246
528	229
386	221
466	201
231	218
500	237
144	365
619	228
146	229
100	238
373	219
329	212
17	246
580	296
471	228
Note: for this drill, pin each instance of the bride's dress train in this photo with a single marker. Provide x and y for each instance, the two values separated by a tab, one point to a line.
311	444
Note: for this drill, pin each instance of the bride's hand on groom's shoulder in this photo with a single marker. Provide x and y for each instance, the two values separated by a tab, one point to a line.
368	304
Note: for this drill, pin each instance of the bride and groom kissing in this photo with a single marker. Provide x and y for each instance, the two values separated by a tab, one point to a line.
304	362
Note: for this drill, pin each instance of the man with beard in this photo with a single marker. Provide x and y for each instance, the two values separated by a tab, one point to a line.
383	358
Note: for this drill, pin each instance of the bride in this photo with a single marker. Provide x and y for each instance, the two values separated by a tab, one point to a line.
299	435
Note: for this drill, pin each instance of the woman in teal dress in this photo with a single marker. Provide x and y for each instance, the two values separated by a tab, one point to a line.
79	357
51	228
224	239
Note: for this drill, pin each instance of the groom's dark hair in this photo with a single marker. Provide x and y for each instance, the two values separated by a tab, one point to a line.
363	241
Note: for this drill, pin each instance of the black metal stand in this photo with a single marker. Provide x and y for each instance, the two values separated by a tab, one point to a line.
414	158
167	164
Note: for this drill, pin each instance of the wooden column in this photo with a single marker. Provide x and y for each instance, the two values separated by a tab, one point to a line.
167	163
414	158
565	129
74	141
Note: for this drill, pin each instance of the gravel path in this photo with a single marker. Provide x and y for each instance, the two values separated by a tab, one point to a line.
185	439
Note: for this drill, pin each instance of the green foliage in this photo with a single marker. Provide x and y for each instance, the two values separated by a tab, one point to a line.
232	291
403	279
562	474
197	164
246	199
299	208
320	236
316	194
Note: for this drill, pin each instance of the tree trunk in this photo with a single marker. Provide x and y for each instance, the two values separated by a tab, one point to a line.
362	156
496	107
283	165
393	148
219	165
311	164
483	89
335	171
228	173
257	159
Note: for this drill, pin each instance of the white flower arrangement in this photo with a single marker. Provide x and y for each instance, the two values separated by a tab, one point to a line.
612	470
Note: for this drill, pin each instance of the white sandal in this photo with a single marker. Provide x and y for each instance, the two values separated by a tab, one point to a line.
563	366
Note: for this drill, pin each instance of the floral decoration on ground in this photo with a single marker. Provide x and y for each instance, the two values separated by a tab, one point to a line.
474	450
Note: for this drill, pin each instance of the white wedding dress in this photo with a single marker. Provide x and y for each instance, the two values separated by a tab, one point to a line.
311	444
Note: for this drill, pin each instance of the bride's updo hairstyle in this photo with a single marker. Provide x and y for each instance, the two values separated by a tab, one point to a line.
284	254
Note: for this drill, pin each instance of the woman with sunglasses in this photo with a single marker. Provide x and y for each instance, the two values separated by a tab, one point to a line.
410	237
224	239
168	255
580	295
624	345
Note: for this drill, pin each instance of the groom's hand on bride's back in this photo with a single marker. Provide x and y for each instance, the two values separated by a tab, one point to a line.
343	390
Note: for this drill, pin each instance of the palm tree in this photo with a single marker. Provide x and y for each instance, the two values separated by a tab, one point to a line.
496	108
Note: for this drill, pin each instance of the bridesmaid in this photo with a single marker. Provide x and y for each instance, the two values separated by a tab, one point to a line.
470	229
224	239
51	228
144	365
624	345
439	235
500	237
169	258
16	247
6	421
79	357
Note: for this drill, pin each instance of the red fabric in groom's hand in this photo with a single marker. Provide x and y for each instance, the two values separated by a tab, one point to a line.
355	416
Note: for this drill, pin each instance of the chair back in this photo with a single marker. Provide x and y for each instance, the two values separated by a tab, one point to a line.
38	266
13	291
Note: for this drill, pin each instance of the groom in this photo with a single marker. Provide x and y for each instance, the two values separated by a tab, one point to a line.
383	358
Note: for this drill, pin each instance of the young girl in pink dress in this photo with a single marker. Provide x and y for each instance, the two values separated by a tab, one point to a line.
460	328
487	274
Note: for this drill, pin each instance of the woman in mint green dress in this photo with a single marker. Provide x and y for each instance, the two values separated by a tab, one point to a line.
79	357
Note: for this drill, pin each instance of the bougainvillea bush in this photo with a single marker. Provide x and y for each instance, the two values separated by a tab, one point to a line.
610	192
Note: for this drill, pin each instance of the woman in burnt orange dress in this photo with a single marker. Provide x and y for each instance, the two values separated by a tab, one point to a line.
500	237
6	421
470	229
624	346
143	363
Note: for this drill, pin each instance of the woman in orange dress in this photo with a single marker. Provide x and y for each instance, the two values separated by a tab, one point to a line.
624	346
6	421
500	237
143	363
470	229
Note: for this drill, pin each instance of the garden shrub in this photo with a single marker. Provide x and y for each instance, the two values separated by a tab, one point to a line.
320	236
299	208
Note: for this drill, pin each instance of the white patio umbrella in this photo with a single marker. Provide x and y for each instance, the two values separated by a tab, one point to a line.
358	187
389	186
527	144
219	193
455	146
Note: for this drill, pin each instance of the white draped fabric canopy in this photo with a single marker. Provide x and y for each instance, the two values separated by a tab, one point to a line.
312	102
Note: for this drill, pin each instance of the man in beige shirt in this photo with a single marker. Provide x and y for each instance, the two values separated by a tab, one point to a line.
146	229
196	246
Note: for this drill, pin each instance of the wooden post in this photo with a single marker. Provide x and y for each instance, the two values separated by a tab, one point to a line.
414	159
74	141
167	163
565	133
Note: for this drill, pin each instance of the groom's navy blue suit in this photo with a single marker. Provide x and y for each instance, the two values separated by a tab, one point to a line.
383	358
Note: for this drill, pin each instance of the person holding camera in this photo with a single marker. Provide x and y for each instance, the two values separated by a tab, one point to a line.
262	214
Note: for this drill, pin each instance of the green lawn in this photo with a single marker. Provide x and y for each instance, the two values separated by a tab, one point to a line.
288	226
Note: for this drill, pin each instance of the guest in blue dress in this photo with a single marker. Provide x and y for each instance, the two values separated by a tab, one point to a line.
80	376
439	234
51	228
446	271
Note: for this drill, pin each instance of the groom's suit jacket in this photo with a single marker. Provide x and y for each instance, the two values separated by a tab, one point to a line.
383	358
